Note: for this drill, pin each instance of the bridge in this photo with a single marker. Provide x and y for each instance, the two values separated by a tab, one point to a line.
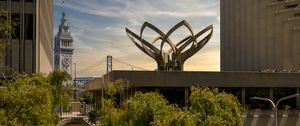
107	64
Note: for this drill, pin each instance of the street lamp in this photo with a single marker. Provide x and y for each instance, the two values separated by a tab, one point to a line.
74	84
275	105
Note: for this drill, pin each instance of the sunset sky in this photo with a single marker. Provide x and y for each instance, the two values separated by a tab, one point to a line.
98	28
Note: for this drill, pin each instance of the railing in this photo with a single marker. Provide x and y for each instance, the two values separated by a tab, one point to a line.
76	110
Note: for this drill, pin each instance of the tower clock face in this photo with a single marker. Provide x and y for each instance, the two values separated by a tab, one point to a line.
66	62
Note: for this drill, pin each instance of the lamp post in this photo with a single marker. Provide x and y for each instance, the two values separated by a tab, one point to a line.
75	74
275	106
74	84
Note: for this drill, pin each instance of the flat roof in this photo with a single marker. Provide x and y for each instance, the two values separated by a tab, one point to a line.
201	78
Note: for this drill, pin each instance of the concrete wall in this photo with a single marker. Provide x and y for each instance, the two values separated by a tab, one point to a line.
211	79
257	117
244	83
44	37
258	35
95	84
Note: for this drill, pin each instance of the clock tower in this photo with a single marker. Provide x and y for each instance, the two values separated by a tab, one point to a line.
63	47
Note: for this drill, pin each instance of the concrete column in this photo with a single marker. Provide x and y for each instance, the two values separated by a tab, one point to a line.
271	93
243	95
102	97
186	96
298	98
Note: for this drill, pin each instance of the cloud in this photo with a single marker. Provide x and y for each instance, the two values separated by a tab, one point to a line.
98	27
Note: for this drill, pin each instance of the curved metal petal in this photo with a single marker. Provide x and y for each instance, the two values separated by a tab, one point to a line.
156	39
190	52
152	54
175	53
146	24
179	44
162	35
178	25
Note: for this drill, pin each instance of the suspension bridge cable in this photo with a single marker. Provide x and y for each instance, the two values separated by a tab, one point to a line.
93	65
89	68
129	64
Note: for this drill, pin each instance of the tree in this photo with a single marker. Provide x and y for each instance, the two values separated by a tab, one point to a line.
61	88
27	100
214	108
110	113
31	99
86	97
143	109
208	107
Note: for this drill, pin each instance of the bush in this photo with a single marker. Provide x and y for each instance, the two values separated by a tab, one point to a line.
207	107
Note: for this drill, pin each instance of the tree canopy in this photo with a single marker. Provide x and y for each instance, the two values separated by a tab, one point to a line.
207	107
30	99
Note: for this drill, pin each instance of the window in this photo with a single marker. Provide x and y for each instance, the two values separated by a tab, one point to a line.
283	92
16	33
28	27
258	92
291	6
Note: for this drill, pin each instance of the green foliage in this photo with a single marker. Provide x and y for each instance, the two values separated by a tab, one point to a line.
115	88
30	99
61	90
110	113
27	100
176	117
6	29
143	109
207	108
87	97
214	108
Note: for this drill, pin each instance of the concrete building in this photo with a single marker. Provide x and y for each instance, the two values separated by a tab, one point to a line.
31	47
63	47
174	85
257	35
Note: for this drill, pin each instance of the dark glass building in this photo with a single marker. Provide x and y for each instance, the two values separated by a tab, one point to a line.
30	48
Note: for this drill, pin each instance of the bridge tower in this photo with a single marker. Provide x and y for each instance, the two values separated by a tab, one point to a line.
109	64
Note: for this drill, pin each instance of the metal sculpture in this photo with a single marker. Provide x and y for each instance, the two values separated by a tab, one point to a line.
174	58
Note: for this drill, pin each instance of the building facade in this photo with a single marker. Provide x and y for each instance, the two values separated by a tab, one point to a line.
30	48
259	35
63	47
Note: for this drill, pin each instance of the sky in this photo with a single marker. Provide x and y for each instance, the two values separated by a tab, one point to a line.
98	29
